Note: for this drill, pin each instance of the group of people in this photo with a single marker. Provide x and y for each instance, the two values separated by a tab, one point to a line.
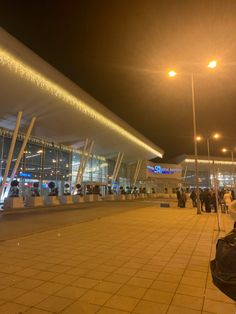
208	199
130	190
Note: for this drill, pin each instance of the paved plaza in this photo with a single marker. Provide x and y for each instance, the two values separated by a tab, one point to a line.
136	259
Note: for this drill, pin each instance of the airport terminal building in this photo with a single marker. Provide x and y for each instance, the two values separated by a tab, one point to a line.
51	130
222	168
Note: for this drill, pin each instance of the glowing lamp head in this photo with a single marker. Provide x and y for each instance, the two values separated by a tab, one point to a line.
216	136
212	64
198	138
224	150
172	73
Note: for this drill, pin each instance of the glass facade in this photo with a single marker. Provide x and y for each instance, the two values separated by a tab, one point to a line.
223	170
95	171
44	162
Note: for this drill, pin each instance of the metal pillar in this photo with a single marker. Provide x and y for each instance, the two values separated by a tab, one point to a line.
209	162
1	163
81	161
184	178
21	152
135	171
80	165
232	175
10	154
138	170
42	159
85	163
118	166
217	198
195	144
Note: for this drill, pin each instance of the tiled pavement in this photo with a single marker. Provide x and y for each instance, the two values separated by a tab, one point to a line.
145	261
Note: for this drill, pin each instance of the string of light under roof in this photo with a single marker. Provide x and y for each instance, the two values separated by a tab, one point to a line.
28	73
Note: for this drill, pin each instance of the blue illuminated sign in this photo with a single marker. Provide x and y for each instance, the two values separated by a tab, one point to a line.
159	170
25	175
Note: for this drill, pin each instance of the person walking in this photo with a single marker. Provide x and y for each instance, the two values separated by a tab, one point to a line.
227	200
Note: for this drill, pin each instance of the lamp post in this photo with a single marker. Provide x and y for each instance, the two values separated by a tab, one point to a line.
212	64
195	144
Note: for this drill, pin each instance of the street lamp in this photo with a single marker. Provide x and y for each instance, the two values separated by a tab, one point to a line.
212	64
172	73
216	136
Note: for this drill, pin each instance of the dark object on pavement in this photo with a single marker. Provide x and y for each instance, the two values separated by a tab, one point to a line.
14	190
14	183
164	205
51	185
223	267
35	191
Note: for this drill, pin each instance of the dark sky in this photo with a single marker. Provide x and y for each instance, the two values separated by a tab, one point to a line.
119	52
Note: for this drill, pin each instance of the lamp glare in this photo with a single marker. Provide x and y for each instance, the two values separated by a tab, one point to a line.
172	73
212	64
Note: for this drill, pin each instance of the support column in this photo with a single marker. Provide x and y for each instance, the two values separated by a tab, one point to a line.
10	154
114	171
138	170
184	178
85	163
21	152
80	165
118	166
135	172
81	161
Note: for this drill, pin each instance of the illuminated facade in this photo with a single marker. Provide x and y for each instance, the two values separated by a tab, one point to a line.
162	177
224	169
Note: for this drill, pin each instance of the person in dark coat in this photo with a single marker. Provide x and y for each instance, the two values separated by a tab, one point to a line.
193	197
207	200
178	193
201	193
213	201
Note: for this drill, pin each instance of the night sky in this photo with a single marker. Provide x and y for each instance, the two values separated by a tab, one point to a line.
119	52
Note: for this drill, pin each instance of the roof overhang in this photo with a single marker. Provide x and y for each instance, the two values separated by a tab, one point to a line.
64	112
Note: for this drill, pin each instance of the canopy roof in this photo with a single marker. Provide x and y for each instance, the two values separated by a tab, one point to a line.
64	112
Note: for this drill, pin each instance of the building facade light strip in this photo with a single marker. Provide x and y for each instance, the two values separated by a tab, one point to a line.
205	161
23	70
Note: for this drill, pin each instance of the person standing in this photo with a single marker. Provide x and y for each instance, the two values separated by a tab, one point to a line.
213	201
227	200
193	197
178	193
201	199
207	200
